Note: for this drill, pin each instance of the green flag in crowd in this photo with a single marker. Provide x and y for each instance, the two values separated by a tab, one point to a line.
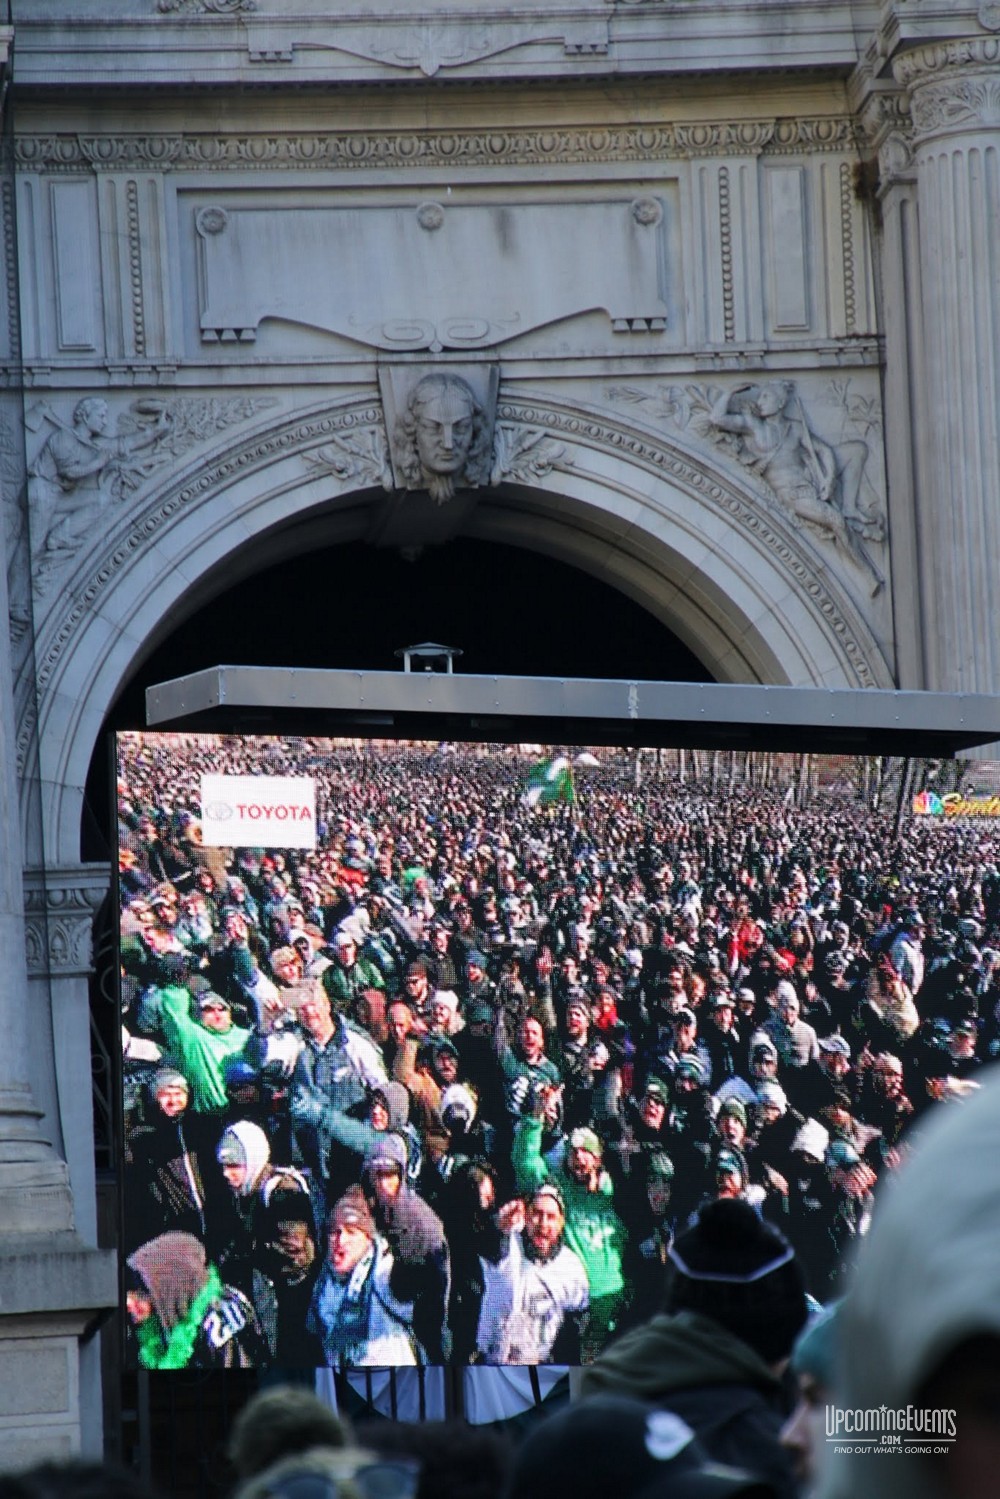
550	781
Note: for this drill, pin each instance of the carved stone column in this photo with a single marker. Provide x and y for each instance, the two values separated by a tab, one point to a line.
883	114
954	90
60	905
53	1283
34	1182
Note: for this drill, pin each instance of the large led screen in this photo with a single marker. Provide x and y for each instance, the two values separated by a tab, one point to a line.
430	1050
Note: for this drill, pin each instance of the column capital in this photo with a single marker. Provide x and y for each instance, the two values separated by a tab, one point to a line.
953	86
882	109
59	909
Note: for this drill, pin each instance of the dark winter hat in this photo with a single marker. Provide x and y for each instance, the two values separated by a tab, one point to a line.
739	1271
611	1445
657	1089
475	959
173	1269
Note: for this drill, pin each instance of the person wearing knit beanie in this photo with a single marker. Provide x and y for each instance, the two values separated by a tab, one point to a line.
353	1213
738	1270
715	1356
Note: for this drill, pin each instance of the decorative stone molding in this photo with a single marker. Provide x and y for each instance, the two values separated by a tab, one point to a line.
688	472
953	86
134	238
391	149
265	259
435	46
962	103
569	431
922	64
726	258
886	127
59	910
355	459
206	7
116	152
524	455
725	137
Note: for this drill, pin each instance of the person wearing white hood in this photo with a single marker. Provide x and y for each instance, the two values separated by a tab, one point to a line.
237	1234
919	1331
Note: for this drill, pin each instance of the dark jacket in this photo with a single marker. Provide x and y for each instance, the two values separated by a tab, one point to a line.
714	1381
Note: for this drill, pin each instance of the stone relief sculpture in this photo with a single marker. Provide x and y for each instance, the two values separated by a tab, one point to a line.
15	530
775	442
81	467
763	427
73	476
443	437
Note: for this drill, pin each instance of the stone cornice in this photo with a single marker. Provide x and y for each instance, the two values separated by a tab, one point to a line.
930	27
233	43
357	150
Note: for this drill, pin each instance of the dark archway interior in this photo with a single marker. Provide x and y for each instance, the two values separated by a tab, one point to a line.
511	612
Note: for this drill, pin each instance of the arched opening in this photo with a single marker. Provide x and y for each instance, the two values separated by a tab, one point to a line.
511	612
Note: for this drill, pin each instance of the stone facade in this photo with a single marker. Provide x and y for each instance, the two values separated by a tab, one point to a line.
677	279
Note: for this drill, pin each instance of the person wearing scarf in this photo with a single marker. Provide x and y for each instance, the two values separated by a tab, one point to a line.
182	1314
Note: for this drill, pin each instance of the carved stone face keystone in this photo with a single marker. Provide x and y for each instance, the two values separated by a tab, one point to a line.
442	416
442	433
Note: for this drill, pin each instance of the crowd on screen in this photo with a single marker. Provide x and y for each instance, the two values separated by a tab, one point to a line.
447	1086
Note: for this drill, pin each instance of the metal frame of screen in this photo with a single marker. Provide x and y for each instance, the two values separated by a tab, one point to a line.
334	1167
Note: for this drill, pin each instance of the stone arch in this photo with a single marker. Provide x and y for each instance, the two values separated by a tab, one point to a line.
728	574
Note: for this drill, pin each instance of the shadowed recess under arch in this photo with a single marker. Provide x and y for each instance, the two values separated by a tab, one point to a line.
512	612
